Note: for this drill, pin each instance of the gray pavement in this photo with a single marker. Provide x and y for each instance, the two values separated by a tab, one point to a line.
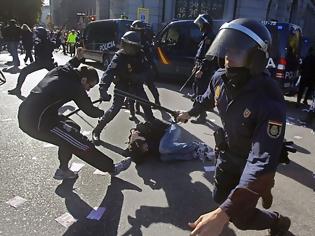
151	199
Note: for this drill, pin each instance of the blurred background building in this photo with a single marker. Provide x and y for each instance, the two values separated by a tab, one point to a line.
159	12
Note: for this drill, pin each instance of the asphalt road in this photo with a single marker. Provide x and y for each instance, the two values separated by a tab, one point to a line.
151	199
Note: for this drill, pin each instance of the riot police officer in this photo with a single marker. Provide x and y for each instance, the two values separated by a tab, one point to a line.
203	68
128	70
44	47
146	35
249	146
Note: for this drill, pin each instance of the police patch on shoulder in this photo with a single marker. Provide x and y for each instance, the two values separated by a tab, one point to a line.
217	93
274	129
246	113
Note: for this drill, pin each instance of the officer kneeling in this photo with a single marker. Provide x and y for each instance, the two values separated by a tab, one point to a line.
38	117
252	109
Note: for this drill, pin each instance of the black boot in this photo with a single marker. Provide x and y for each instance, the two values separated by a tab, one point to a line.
15	91
281	227
267	199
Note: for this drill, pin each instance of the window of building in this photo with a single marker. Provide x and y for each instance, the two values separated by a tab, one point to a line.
190	9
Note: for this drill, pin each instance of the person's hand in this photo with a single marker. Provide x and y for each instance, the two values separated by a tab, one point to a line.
80	52
183	116
198	74
209	224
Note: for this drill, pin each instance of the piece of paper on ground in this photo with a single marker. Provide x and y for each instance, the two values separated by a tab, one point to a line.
66	220
96	213
209	168
86	133
98	172
297	137
48	145
16	201
76	167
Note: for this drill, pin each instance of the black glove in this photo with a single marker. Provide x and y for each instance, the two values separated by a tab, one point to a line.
104	95
287	147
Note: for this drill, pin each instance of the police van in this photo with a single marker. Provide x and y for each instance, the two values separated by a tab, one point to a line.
285	55
176	46
102	38
177	43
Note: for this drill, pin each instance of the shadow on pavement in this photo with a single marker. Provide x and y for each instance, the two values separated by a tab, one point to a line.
298	115
186	200
298	173
79	209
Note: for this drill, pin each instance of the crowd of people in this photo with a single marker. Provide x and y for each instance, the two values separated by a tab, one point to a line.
229	74
22	38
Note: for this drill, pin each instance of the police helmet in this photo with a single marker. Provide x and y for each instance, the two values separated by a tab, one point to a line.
41	33
204	22
246	35
138	25
131	42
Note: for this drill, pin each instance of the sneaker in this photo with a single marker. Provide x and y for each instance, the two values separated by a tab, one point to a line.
96	139
65	174
121	166
282	226
203	152
15	91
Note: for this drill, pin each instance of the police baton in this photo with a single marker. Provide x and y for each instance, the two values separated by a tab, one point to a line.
144	101
189	78
79	109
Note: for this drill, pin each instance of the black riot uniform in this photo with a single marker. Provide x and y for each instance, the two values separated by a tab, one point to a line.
202	64
38	116
146	35
252	111
128	70
44	47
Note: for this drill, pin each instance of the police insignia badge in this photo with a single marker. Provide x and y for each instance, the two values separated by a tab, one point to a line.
246	113
274	129
217	93
129	68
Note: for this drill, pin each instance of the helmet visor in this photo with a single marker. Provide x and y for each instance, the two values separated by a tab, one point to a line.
230	40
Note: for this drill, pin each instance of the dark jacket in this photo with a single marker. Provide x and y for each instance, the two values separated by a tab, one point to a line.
254	123
12	33
27	39
61	85
152	131
204	64
125	70
44	49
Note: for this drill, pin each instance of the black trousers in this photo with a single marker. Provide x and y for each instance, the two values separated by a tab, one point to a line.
305	84
118	101
65	134
34	66
226	178
28	54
